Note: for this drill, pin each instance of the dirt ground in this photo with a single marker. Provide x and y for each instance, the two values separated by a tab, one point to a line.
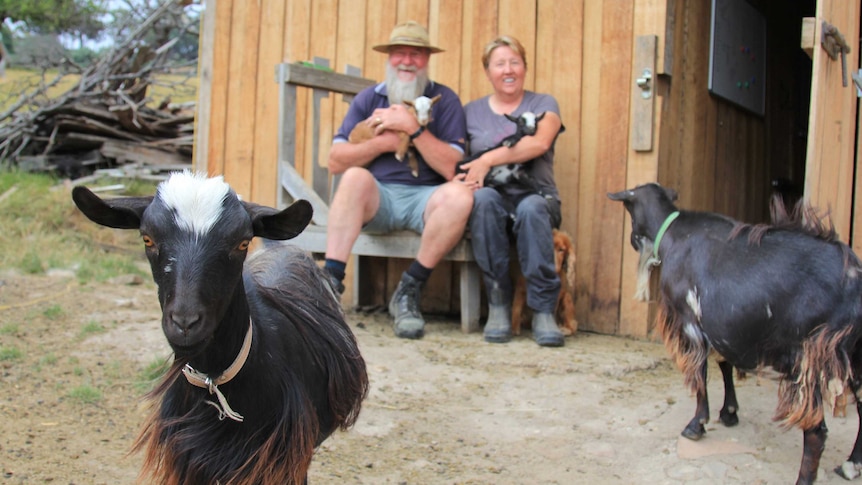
447	409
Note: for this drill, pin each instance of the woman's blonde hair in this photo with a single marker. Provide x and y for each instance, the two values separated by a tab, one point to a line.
503	40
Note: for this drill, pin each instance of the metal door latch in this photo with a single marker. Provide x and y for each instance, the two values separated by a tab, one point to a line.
645	83
835	45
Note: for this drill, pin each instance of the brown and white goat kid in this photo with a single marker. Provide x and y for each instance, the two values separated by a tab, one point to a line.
265	367
421	109
786	296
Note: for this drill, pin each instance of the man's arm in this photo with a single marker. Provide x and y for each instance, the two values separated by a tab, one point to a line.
438	154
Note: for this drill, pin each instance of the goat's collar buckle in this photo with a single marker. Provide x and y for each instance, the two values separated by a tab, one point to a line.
664	225
200	379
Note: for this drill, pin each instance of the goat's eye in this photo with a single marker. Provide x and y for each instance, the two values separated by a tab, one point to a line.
148	242
243	246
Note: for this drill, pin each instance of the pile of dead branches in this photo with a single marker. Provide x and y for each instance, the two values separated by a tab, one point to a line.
106	119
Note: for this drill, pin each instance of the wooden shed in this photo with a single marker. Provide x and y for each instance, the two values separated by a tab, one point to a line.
715	98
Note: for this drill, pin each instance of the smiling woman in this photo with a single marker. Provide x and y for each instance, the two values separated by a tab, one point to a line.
526	212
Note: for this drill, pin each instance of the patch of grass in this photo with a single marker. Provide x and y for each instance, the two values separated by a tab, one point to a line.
151	374
31	263
78	371
48	359
174	86
44	230
85	394
19	81
10	353
108	267
9	329
114	369
53	312
91	328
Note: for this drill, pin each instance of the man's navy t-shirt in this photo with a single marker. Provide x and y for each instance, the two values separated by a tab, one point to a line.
448	124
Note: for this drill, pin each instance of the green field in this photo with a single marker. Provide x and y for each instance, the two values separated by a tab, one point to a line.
46	232
20	81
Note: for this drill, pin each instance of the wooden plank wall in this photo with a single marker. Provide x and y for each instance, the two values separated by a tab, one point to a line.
573	47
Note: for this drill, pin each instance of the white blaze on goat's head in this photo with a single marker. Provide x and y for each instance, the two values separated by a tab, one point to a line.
529	120
195	199
422	106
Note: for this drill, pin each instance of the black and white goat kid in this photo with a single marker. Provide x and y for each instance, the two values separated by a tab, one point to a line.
786	296
512	173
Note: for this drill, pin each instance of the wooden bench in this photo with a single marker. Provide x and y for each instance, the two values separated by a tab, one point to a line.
292	186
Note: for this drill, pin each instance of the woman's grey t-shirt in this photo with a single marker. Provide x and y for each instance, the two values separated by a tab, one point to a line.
486	129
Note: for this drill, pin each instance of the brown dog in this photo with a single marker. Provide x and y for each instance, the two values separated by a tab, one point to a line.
564	313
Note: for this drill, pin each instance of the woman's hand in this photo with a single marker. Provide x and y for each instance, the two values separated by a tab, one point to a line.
476	170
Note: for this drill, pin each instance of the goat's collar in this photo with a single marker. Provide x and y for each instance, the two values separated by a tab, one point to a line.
203	380
664	225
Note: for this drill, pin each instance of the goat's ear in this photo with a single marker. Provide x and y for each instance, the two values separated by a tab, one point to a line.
436	98
539	118
671	194
510	117
120	213
408	102
280	225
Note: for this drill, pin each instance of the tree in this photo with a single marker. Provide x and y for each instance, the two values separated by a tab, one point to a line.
179	24
79	18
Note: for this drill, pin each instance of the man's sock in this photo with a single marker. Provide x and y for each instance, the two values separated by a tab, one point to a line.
335	268
419	272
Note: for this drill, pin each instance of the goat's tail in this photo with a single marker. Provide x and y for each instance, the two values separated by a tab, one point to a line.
822	372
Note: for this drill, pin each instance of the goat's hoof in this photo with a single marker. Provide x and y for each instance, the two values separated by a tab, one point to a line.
728	419
694	432
849	470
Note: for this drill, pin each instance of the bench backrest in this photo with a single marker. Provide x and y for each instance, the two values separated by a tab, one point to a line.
322	81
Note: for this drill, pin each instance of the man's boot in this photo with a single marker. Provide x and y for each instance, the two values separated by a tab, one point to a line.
404	308
545	331
498	328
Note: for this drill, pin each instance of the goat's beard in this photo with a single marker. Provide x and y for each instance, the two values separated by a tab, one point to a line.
399	90
646	263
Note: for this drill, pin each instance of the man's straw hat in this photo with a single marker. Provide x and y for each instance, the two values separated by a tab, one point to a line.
410	34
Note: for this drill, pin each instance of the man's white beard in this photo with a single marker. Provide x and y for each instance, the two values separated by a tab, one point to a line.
399	90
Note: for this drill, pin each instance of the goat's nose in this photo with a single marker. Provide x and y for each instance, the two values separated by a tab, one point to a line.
185	322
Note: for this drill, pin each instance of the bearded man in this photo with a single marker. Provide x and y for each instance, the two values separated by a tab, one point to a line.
379	194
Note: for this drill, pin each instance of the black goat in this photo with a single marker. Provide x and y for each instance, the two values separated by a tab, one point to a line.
511	173
786	296
262	341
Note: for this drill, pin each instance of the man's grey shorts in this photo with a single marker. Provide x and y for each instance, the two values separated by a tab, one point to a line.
401	207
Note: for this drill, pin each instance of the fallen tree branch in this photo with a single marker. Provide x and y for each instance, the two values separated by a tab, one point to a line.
109	101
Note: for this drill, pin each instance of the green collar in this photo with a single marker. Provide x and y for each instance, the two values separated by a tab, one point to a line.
662	230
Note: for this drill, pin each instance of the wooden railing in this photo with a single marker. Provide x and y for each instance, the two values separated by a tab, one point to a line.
319	190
